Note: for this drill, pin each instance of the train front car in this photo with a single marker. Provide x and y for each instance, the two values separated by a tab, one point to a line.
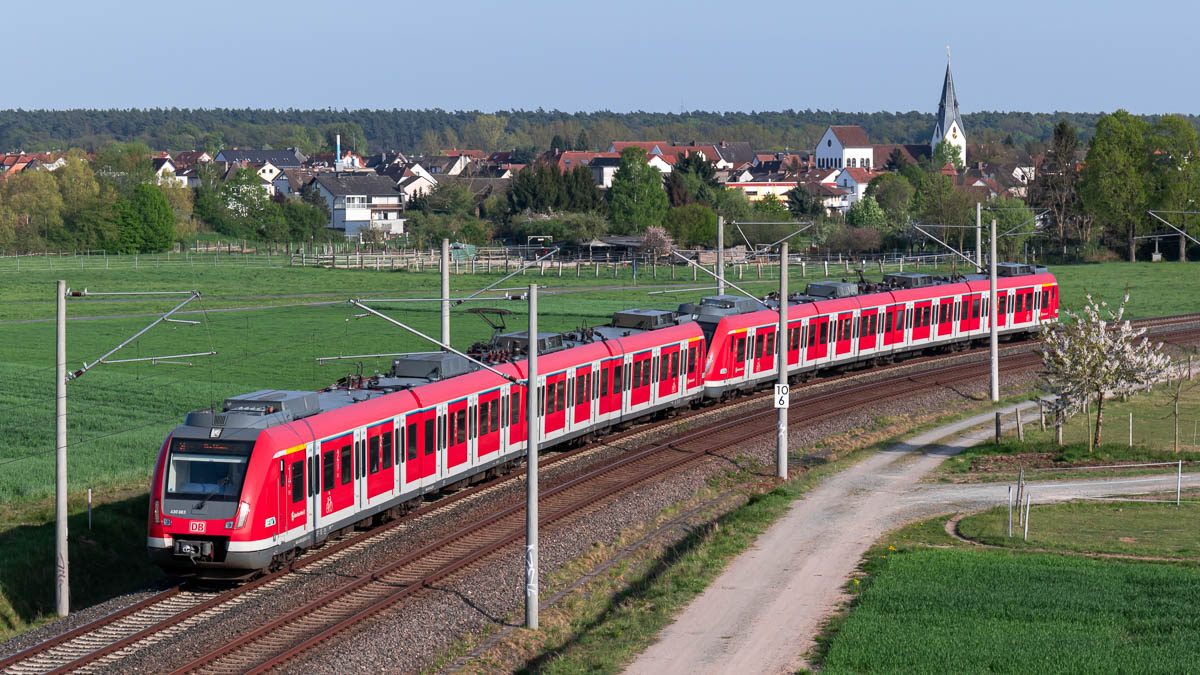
210	484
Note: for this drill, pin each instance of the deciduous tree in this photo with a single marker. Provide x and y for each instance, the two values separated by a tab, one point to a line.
1113	185
637	199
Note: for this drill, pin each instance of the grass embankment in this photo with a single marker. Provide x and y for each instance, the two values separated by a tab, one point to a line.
1153	435
1121	528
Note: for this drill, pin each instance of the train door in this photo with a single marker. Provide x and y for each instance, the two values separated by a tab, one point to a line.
922	320
291	517
379	462
1003	307
668	371
639	384
695	363
818	337
555	389
764	348
969	312
583	395
868	321
793	344
490	422
1049	298
336	464
945	317
737	354
610	386
845	333
456	435
893	325
517	416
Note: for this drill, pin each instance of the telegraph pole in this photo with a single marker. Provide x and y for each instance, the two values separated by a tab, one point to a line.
781	446
62	588
446	291
720	255
993	321
531	472
978	233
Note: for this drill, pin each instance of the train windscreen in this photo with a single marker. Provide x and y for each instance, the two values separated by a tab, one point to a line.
207	470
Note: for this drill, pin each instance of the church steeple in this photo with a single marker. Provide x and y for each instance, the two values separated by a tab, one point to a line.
949	124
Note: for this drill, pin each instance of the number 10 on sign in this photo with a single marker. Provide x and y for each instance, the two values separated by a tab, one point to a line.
782	395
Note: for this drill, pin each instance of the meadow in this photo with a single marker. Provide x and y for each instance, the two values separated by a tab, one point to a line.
961	611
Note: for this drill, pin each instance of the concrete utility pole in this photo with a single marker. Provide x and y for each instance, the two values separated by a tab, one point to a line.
62	588
720	255
993	321
978	233
446	291
781	444
531	473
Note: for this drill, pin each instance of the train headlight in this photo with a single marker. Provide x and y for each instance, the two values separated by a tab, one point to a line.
242	514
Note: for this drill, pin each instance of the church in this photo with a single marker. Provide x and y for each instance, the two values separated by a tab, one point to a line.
844	147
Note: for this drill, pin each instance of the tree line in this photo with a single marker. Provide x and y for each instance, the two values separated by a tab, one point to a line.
529	131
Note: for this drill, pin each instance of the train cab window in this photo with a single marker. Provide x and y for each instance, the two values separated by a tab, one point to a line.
327	465
484	411
374	461
412	440
430	436
297	481
386	439
347	465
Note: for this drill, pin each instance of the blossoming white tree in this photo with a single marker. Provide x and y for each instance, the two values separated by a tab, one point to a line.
1096	354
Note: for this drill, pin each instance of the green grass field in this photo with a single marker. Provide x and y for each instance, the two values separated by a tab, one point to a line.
960	611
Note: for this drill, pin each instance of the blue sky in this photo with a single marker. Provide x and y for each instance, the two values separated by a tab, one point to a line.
610	54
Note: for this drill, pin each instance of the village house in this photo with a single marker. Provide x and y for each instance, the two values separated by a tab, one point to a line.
360	202
283	159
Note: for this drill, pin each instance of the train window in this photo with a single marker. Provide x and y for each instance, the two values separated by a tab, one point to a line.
812	336
374	461
664	368
604	383
675	365
875	324
327	480
515	400
618	379
975	308
562	396
387	449
887	325
462	425
495	421
430	436
824	333
1002	304
347	465
741	349
484	411
646	374
637	371
399	444
297	481
450	432
412	441
794	339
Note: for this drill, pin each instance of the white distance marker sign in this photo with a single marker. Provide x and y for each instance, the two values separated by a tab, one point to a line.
782	395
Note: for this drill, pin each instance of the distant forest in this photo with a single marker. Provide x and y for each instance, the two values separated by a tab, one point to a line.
429	131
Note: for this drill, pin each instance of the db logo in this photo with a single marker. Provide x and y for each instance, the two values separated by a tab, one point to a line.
196	526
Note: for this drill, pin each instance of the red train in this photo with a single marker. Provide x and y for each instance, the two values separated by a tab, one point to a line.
275	472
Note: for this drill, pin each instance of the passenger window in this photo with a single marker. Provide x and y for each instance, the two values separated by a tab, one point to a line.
741	349
327	465
664	368
347	464
462	425
675	364
824	339
975	308
373	459
604	383
412	441
691	362
297	481
617	379
887	325
515	400
562	395
637	372
387	449
646	375
483	418
430	436
495	406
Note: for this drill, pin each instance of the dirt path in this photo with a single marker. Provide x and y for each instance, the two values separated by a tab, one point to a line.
761	614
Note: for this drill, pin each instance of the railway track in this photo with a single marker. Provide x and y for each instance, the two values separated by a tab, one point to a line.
175	609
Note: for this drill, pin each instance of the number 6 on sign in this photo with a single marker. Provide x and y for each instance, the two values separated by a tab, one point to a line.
782	395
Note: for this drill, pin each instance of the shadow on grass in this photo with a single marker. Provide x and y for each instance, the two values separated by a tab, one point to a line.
105	561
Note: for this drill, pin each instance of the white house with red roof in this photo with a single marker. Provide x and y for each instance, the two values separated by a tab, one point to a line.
855	180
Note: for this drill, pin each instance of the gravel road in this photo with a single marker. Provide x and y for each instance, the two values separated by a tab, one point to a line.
761	614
